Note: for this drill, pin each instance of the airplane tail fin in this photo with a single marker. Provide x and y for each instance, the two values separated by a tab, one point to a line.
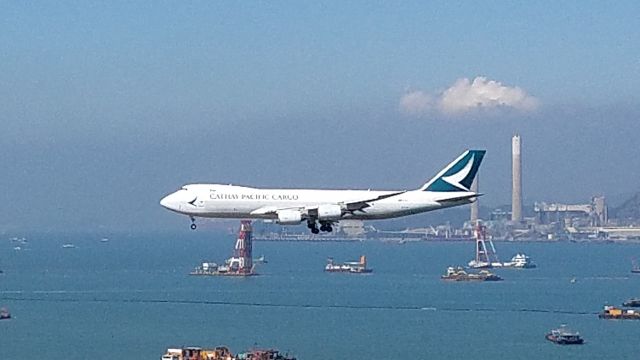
458	175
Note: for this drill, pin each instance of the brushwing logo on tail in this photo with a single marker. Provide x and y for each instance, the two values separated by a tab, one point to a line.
460	174
457	178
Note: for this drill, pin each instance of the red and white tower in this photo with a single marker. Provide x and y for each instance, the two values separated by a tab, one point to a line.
243	252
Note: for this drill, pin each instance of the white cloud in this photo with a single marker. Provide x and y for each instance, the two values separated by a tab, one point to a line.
466	96
416	102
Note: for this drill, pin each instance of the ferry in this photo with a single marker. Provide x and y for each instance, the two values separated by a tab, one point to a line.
564	336
4	314
520	261
459	274
353	267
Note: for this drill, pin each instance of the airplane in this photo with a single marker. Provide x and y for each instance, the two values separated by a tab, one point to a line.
450	187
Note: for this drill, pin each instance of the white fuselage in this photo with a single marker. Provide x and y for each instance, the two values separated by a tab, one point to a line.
229	201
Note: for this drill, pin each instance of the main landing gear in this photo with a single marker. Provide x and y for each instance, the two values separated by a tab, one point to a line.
324	226
193	223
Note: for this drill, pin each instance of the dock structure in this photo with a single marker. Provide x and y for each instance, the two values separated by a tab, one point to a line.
240	264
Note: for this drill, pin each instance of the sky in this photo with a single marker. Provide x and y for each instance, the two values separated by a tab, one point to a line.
105	107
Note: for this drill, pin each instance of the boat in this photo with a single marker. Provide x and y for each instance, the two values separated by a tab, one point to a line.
635	268
198	353
633	302
260	260
564	336
4	314
612	312
264	354
353	267
457	273
520	261
104	240
223	353
68	246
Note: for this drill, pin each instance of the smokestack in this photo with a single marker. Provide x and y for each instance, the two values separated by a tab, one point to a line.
474	205
516	195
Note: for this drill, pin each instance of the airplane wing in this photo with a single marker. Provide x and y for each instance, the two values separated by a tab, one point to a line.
312	211
361	204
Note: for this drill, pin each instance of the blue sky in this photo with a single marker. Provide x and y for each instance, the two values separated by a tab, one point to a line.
120	103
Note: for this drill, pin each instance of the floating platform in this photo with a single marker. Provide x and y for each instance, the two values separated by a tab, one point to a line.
612	312
459	274
240	264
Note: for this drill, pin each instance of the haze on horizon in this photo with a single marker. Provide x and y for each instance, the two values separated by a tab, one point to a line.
107	107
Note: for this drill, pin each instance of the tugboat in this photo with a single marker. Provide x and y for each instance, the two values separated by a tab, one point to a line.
633	302
4	314
458	274
564	336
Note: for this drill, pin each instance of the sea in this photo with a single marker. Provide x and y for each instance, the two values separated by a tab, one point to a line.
131	298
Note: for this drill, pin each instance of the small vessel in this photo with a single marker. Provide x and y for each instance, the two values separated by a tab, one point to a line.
260	260
635	268
68	246
520	261
17	248
264	354
4	314
198	353
612	312
104	240
564	336
459	274
353	267
573	280
633	302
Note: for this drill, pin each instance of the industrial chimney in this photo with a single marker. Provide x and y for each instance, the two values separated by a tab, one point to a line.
474	205
516	195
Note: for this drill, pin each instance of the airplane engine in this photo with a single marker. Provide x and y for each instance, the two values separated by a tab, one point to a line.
289	217
329	212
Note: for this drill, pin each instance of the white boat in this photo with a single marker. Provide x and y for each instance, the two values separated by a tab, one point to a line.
68	246
521	261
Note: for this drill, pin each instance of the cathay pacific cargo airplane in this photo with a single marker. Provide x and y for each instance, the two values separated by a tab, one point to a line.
451	187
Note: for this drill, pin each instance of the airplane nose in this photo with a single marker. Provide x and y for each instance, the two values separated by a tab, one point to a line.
177	200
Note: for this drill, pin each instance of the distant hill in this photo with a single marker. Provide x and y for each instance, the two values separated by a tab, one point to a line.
629	211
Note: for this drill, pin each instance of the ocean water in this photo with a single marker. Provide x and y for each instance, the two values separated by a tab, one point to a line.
131	298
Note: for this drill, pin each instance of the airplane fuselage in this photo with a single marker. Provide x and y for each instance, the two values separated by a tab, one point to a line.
229	201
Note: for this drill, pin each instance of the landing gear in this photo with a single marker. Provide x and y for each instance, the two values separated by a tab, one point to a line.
193	224
311	224
326	226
